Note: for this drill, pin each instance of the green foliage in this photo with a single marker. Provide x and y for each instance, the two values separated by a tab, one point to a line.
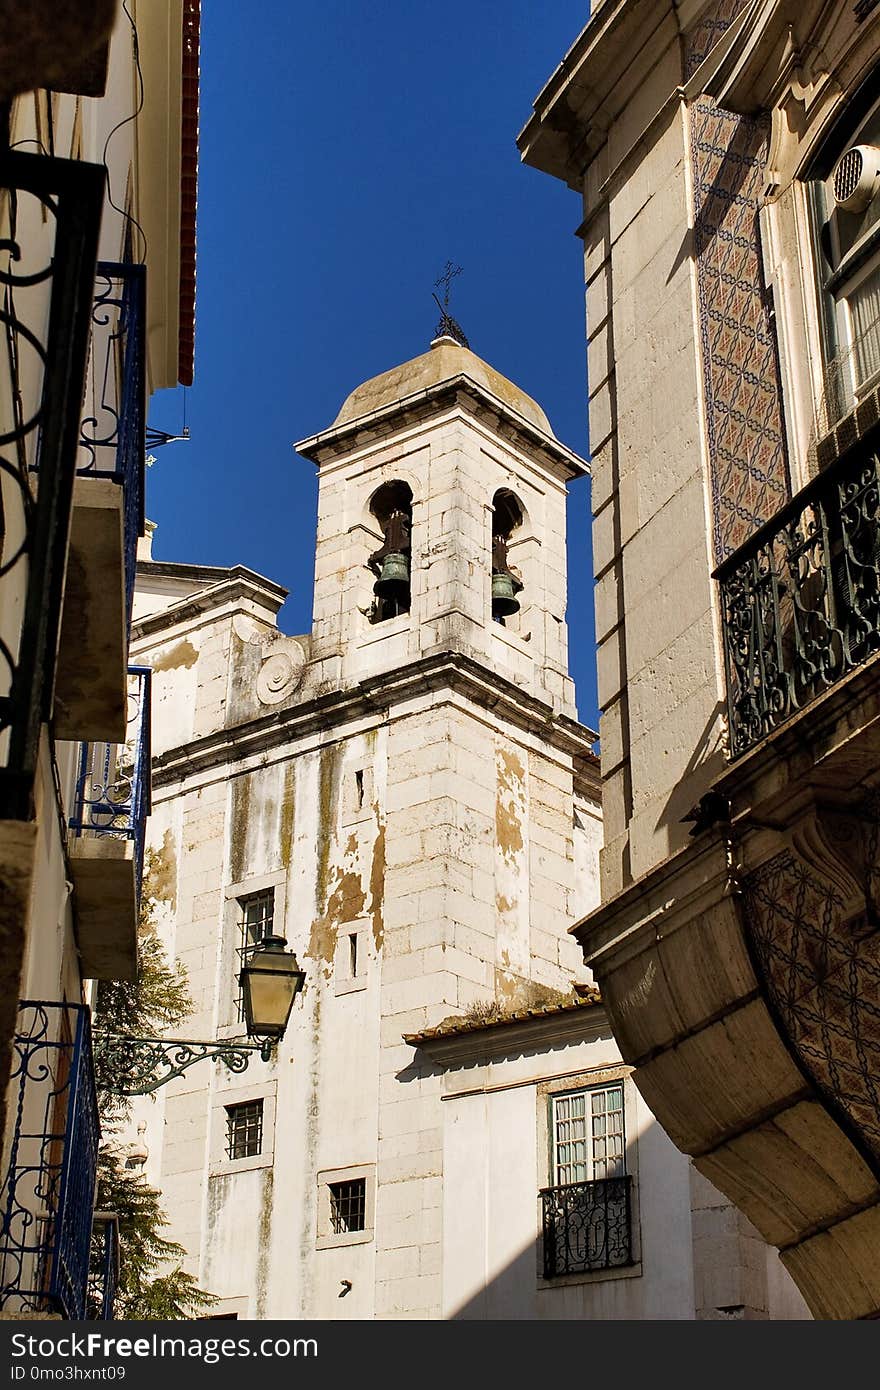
144	1293
156	1002
159	998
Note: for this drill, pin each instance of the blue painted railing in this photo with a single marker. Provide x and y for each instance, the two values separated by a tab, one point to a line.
113	786
104	1267
48	1191
112	439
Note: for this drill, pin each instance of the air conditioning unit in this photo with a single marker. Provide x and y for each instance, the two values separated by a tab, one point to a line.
857	178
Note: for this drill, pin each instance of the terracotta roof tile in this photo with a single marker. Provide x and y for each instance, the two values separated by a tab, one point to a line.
588	998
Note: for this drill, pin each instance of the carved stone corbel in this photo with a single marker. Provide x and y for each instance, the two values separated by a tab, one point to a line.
831	841
806	91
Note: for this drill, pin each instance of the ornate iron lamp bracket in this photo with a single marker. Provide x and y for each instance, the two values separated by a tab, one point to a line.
129	1066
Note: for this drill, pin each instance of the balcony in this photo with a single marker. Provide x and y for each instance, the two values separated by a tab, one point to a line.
107	828
103	1267
108	516
800	601
587	1227
51	211
752	953
49	1187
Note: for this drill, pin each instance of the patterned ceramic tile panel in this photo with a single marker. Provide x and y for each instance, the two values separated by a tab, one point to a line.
822	974
741	375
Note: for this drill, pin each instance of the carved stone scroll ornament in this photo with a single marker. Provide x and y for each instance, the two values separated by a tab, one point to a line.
282	671
831	840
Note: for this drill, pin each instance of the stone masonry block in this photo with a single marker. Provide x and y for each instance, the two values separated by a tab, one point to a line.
393	1028
395	1296
406	995
681	600
424	1163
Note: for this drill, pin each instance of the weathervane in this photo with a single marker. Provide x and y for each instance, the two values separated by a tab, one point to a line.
448	327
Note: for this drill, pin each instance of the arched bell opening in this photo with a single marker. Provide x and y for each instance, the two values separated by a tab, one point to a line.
391	505
507	520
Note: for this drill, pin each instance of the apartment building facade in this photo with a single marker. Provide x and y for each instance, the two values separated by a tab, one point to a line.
97	205
726	155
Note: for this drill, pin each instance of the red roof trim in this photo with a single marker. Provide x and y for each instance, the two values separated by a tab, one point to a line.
189	165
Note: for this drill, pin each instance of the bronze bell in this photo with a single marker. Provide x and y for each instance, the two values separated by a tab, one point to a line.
504	600
393	582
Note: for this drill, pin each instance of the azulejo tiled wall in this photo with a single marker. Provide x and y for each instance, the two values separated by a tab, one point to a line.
749	466
820	970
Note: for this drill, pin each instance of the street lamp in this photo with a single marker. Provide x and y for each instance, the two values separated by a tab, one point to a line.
270	981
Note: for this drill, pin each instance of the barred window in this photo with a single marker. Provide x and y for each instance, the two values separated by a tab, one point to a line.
244	1129
587	1135
256	922
348	1205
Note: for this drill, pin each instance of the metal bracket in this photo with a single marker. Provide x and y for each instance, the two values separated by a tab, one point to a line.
129	1066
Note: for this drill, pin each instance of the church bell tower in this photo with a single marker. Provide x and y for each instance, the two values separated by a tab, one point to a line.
441	527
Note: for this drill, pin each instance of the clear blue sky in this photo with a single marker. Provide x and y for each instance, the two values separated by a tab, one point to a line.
347	151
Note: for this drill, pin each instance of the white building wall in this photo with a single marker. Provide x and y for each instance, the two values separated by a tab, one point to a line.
445	818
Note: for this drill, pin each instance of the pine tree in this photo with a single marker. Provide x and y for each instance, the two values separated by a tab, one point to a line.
152	1285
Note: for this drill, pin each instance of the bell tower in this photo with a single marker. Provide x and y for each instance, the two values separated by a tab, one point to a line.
405	793
441	527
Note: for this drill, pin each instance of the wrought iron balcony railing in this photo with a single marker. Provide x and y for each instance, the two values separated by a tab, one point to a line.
48	1191
50	212
112	433
103	1267
800	601
113	785
587	1226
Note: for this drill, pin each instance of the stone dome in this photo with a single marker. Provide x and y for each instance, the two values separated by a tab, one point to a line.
445	359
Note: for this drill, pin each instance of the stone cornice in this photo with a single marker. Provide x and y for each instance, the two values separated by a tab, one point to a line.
459	390
595	80
776	51
446	671
237	584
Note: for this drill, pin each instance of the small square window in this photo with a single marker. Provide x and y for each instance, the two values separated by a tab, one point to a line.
348	1206
351	962
244	1130
256	921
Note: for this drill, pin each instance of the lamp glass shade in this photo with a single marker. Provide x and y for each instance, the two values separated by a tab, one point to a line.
270	981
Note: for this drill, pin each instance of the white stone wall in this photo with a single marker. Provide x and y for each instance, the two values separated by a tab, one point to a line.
660	682
429	826
495	1161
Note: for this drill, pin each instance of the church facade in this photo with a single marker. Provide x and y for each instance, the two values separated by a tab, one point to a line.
405	794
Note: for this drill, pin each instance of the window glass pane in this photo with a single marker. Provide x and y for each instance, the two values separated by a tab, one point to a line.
864	305
244	1130
577	1158
255	922
348	1205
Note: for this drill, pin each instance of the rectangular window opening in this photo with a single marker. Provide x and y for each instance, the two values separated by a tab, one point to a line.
359	788
244	1130
353	955
348	1206
588	1137
255	921
586	1211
